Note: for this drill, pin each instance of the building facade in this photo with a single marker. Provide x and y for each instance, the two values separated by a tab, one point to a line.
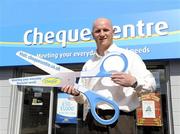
63	36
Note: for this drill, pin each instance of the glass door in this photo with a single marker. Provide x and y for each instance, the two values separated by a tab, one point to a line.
35	110
35	105
65	124
160	74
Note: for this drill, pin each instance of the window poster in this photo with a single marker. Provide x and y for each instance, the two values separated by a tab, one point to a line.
149	113
66	109
148	109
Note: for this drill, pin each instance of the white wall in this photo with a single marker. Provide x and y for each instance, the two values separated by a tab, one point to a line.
175	94
5	96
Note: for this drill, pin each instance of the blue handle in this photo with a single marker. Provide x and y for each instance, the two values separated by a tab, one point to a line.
103	72
95	99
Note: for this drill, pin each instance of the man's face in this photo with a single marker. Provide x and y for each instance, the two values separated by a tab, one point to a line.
103	34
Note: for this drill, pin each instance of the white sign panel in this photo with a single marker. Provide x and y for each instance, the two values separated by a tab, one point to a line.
148	108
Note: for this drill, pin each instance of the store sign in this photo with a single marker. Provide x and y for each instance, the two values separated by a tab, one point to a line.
66	109
63	36
36	37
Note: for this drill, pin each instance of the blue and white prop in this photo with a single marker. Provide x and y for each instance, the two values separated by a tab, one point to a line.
62	76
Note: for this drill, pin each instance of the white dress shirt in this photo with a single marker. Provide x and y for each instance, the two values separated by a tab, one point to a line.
126	97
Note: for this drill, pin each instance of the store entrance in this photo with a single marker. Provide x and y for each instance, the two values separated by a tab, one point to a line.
159	124
35	105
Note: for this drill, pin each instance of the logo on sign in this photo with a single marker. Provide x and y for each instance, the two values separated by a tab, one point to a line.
51	81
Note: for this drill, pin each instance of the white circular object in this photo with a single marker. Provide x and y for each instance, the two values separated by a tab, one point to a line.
114	64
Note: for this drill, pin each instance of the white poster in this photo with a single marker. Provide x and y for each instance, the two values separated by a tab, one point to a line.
148	109
66	109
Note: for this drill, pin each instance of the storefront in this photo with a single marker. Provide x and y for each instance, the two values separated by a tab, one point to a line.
152	33
33	110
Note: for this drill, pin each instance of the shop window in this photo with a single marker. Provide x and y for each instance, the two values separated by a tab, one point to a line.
35	111
152	115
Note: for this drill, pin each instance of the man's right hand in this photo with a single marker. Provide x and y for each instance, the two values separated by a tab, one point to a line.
70	90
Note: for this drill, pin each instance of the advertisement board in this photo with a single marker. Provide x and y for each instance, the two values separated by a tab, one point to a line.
66	112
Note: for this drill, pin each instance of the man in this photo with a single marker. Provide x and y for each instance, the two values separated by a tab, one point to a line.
123	87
